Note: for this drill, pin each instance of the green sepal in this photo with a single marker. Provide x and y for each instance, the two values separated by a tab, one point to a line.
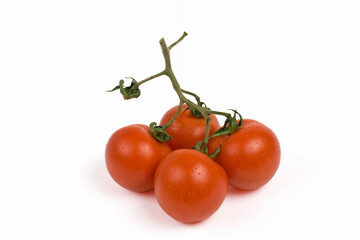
230	126
195	112
201	147
115	88
222	131
159	133
216	152
129	92
237	113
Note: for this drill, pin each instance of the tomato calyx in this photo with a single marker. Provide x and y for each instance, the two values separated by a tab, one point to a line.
215	153
195	112
201	146
159	133
129	92
230	126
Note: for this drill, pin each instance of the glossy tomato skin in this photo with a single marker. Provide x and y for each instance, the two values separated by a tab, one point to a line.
132	156
187	129
189	186
250	157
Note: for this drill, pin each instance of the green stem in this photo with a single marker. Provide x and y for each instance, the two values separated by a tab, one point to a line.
227	115
167	125
180	39
169	72
207	131
197	98
152	77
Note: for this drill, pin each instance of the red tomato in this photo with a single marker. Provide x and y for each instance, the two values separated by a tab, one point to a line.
189	186
187	130
250	157
132	156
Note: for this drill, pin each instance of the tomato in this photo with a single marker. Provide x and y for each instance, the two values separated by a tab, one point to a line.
187	129
132	156
250	157
189	186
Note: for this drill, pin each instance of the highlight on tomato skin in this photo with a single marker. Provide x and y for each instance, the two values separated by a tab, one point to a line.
189	186
132	156
187	129
250	157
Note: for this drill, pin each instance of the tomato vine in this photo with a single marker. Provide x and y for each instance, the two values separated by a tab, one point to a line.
198	109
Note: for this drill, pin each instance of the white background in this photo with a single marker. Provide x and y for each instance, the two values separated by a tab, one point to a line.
293	65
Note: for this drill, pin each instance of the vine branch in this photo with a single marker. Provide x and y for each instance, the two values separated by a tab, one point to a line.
158	132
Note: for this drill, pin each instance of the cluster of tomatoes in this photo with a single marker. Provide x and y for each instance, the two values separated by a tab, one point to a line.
188	184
